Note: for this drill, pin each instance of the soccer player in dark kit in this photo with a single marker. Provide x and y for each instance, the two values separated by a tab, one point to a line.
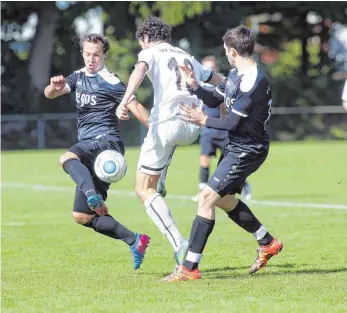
212	139
247	95
98	93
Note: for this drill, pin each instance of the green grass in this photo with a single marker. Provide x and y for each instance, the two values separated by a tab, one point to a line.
49	264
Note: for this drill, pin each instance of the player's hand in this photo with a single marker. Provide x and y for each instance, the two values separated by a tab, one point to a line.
193	114
57	83
102	211
189	76
122	112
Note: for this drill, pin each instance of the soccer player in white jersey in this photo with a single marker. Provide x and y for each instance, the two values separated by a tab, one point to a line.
344	96
160	61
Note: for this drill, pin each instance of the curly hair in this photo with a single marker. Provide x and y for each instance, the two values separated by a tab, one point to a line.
155	28
95	38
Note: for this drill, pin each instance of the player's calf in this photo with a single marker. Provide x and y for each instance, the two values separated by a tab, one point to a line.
79	173
82	218
206	203
157	209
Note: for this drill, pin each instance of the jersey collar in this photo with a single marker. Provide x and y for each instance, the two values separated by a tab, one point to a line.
248	71
92	75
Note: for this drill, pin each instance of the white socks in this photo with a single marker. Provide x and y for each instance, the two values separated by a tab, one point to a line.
202	186
193	257
260	233
160	214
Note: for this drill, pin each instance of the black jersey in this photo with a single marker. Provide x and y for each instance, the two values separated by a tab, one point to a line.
97	97
247	97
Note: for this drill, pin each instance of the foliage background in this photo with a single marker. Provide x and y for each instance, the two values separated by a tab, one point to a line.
295	48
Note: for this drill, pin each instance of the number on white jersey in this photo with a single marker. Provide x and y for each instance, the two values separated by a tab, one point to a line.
173	65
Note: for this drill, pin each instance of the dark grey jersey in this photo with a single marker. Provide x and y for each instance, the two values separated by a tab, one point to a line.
248	96
97	97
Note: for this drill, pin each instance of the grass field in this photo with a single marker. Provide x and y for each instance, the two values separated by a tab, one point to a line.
49	264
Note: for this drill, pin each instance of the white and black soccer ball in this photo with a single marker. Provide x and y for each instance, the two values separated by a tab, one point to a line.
110	166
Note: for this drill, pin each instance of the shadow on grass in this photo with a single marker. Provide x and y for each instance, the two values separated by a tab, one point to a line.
229	272
222	273
230	268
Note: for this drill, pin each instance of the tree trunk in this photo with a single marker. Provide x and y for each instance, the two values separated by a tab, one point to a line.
304	64
41	52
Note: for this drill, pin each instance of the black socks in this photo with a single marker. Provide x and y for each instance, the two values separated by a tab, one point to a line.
108	226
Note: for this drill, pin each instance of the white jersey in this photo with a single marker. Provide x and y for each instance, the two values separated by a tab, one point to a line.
344	92
169	87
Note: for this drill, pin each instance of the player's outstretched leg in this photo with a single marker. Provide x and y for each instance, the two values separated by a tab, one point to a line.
108	226
138	249
244	217
79	173
160	214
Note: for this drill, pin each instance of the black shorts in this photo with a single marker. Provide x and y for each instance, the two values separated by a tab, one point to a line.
233	169
87	151
210	142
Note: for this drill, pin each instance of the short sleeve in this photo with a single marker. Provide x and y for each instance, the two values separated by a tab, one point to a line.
146	56
204	74
116	92
71	81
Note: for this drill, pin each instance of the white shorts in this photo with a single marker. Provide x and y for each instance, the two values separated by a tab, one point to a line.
161	141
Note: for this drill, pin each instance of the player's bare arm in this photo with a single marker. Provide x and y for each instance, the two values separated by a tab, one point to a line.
135	81
139	111
57	87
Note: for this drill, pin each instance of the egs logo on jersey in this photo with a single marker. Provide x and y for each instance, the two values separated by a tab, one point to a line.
83	99
229	102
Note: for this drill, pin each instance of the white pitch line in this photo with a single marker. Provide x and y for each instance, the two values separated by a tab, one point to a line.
182	197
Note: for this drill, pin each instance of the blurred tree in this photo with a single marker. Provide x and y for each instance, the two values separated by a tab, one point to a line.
293	48
22	87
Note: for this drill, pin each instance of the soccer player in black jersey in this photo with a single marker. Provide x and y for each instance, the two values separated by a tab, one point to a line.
98	93
247	95
212	139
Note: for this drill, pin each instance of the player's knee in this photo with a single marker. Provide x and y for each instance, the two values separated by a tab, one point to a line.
82	218
67	156
139	190
205	161
207	199
144	193
227	203
145	186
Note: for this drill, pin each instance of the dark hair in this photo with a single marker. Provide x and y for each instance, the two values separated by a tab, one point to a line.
95	38
155	28
241	39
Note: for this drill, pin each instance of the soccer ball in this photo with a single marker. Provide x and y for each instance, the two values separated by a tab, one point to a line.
110	166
